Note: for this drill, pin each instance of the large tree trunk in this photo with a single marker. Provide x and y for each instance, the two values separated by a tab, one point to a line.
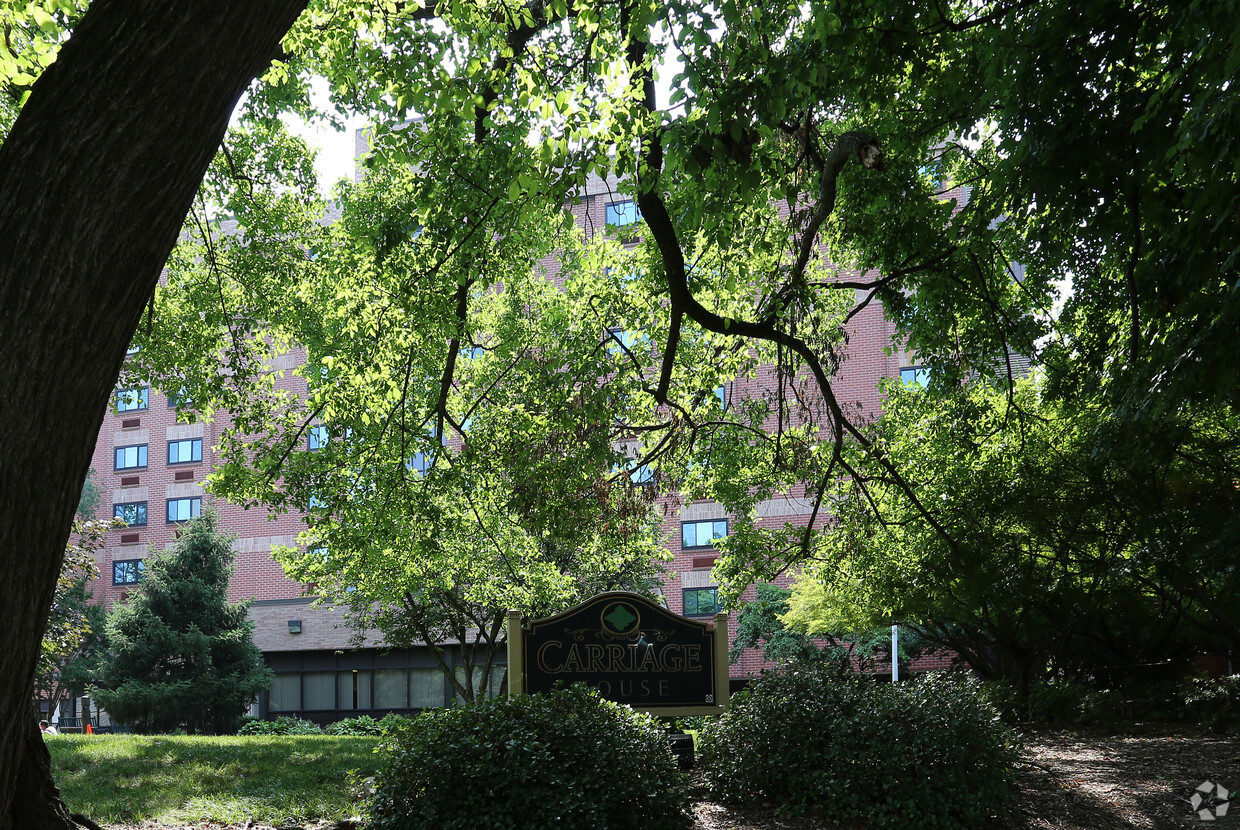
95	179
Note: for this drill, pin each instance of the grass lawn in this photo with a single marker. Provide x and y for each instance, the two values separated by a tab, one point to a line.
180	779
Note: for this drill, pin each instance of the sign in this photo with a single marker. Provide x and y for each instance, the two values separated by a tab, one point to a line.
631	649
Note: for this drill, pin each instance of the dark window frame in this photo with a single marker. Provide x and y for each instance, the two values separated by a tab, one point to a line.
179	399
138	571
193	515
144	399
145	454
191	442
708	545
135	504
317	437
614	209
916	376
684	599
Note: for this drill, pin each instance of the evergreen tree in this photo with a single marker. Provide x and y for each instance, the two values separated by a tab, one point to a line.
182	656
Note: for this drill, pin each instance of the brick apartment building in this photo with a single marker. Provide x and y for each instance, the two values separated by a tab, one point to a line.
151	468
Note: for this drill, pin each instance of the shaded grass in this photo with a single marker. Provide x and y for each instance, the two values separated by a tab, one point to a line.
271	779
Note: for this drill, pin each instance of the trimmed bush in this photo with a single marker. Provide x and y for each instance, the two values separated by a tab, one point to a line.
926	754
567	759
283	725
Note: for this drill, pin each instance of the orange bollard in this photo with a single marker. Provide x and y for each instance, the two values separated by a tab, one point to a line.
89	730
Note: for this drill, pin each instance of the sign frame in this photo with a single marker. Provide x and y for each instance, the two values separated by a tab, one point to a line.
715	632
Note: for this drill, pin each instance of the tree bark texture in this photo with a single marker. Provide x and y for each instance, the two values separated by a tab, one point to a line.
96	177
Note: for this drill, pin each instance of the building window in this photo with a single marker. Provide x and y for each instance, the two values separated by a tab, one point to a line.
642	474
391	689
132	513
915	376
133	400
182	510
317	438
623	213
491	690
701	534
185	451
353	689
426	688
128	571
179	399
285	695
318	690
622	340
131	458
701	602
422	460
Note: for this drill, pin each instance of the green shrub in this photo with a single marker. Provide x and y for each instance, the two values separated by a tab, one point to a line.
366	725
567	759
1061	701
361	725
1214	703
392	721
283	725
926	754
1065	701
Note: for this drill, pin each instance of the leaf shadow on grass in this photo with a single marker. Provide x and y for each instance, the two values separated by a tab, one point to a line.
232	779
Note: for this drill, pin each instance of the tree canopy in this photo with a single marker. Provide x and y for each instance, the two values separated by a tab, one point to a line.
1095	142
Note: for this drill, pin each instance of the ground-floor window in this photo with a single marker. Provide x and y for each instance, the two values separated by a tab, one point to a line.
493	688
359	689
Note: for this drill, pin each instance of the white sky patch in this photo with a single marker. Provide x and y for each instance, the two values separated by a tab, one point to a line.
334	160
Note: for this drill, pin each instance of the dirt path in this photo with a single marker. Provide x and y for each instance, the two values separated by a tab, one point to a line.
1143	778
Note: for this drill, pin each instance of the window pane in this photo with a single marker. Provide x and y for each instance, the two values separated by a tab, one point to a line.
353	689
701	534
130	400
318	689
182	510
390	687
128	571
915	376
132	513
317	439
131	457
285	693
181	452
701	601
622	213
426	688
179	399
642	475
